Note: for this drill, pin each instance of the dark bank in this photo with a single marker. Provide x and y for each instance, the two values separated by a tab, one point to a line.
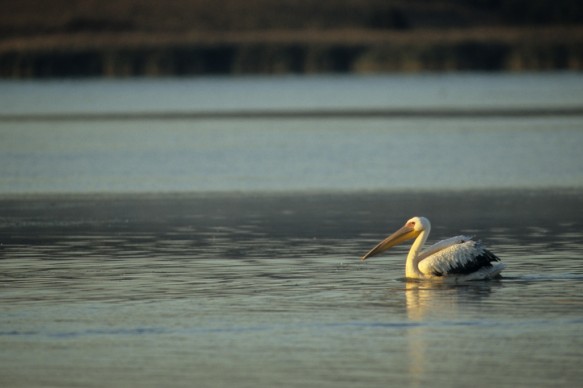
132	38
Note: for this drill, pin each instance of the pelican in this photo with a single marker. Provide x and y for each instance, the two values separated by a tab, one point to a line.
458	258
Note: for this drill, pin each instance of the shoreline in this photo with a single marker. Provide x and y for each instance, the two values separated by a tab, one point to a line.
305	51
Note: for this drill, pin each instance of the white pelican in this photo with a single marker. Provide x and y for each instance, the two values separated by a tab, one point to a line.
459	258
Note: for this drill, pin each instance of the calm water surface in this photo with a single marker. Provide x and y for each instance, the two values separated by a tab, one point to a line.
224	252
258	290
174	153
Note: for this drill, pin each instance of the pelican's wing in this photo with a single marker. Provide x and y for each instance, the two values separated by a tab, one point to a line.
460	258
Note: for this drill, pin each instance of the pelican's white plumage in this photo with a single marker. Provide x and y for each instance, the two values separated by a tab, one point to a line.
458	258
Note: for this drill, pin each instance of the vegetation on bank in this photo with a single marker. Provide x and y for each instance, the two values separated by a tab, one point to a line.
65	38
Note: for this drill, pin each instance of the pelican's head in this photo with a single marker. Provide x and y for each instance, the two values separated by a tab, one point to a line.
412	228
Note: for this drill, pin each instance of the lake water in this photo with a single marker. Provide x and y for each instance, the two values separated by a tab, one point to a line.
148	135
183	248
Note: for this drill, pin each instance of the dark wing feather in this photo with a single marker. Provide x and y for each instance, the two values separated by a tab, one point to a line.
482	260
459	259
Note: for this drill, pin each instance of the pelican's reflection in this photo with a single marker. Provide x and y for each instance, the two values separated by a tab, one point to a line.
428	306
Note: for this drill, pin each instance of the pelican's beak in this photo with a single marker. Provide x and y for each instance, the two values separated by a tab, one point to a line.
401	235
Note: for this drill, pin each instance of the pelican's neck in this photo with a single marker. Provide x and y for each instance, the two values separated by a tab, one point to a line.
412	265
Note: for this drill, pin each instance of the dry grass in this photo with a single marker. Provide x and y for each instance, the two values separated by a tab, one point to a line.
161	37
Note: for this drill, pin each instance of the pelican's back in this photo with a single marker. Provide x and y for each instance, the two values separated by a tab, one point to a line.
462	257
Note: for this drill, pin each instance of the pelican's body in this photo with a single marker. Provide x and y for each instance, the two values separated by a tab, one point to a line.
458	258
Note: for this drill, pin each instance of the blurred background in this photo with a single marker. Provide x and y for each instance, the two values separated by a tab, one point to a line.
193	95
78	38
186	187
